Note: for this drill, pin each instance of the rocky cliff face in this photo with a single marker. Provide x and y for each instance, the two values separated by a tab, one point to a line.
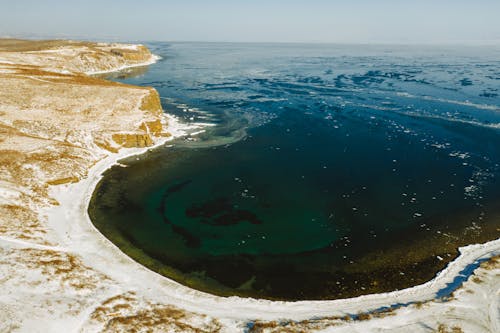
56	122
73	57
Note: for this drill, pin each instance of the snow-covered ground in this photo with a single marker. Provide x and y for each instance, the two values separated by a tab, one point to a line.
59	274
154	58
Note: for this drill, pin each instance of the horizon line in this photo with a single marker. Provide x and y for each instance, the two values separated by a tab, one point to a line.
487	42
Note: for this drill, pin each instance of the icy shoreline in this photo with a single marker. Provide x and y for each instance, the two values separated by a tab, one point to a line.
83	237
154	59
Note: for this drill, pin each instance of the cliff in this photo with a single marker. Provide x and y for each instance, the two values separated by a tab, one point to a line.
72	56
56	125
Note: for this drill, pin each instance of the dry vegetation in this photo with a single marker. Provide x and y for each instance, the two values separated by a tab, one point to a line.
56	269
442	328
126	313
493	263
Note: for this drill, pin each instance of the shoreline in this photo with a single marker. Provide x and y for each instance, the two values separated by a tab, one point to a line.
154	59
247	308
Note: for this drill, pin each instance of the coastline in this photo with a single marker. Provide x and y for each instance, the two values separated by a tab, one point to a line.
154	59
247	308
77	235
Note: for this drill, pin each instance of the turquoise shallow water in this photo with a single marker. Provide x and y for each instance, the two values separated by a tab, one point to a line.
329	171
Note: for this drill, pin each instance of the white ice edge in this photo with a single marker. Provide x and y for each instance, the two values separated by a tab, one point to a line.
81	237
154	58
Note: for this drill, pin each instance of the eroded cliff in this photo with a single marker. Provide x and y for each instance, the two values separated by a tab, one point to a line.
55	124
73	56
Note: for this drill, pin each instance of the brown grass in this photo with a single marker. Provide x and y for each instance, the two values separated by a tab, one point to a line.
491	264
477	279
22	222
124	313
442	328
61	266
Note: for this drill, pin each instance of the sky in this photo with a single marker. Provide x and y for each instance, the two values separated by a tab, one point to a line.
313	21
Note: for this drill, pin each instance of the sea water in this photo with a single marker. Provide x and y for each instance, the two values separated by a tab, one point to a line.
316	171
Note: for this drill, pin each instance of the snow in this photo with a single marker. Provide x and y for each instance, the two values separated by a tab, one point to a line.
151	61
134	47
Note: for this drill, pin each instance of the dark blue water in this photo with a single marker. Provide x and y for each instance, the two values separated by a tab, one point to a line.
324	170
